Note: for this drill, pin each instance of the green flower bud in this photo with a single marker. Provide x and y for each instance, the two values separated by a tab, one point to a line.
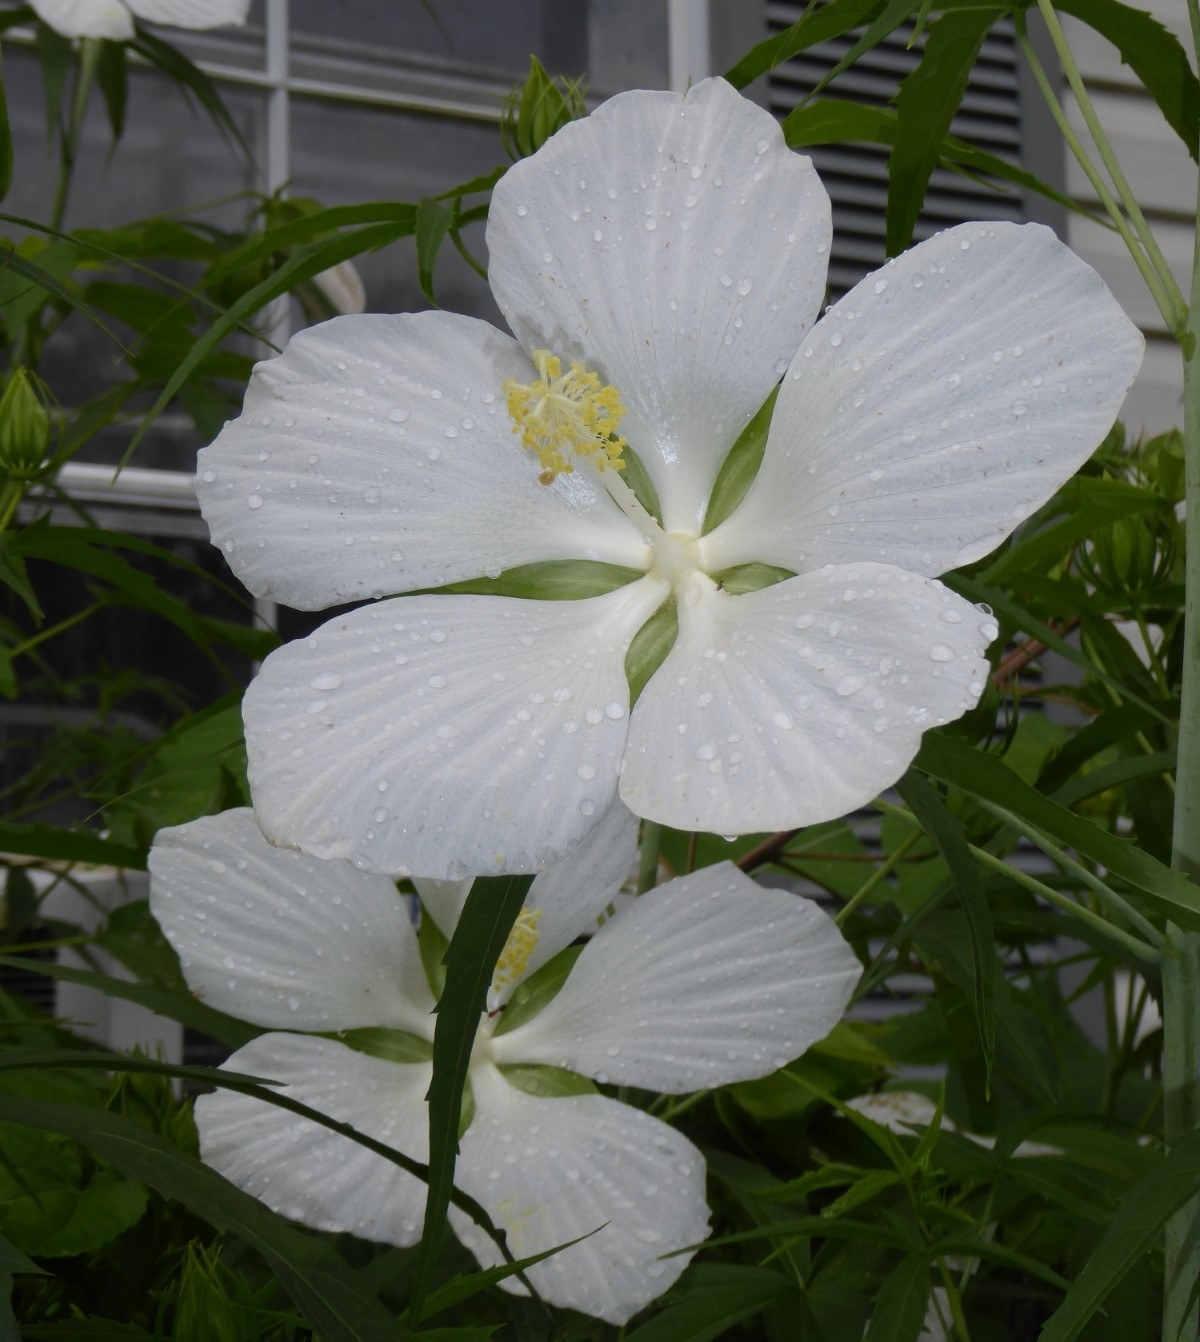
24	426
537	108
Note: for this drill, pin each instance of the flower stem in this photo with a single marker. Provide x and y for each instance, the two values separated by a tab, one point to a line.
648	857
1177	316
1165	301
89	55
1181	965
880	872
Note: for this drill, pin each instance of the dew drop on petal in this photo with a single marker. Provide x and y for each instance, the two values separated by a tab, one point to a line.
941	653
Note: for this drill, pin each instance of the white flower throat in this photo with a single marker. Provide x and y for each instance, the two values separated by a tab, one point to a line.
560	415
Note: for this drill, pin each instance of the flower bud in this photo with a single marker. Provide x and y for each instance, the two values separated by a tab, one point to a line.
537	108
24	426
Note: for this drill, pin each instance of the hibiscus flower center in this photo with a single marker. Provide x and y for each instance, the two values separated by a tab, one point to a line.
563	413
520	946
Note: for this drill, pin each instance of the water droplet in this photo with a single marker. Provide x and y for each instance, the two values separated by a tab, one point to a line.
744	286
208	477
941	653
615	711
881	285
849	685
522	211
836	339
328	680
396	415
255	501
782	720
726	281
437	636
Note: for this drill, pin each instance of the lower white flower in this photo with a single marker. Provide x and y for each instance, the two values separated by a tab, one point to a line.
114	19
707	980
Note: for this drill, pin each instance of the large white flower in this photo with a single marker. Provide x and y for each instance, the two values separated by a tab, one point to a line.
706	980
675	250
114	19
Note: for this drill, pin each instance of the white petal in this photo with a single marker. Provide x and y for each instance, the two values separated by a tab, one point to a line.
550	1170
936	406
676	245
446	735
800	702
570	896
87	18
375	455
706	980
191	13
303	1170
283	940
574	893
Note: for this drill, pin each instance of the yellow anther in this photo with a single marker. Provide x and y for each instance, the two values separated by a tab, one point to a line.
520	946
563	413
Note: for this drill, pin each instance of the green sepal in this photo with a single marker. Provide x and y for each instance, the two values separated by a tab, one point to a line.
650	646
539	988
551	580
638	479
432	943
751	577
547	1083
740	466
378	1041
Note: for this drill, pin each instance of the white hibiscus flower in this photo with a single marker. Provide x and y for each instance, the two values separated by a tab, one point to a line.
114	19
706	980
670	252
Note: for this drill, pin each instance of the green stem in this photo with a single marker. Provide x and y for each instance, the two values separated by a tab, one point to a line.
961	1332
880	872
1162	299
1105	893
89	55
61	627
1181	966
648	858
11	494
1133	210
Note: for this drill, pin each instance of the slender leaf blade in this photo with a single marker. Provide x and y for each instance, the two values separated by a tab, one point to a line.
900	1305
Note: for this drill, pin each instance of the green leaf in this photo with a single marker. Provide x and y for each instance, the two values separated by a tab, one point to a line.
950	839
42	279
317	1279
173	63
533	993
1120	773
14	577
979	774
58	1209
1154	54
1136	1228
834	121
20	902
67	845
6	149
487	918
712	1299
926	103
900	1306
819	25
433	223
551	580
740	466
112	74
302	265
175	1006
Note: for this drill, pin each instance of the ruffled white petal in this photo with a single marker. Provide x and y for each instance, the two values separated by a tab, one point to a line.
446	735
569	896
550	1170
87	18
191	13
706	980
303	1170
376	455
284	940
676	245
800	702
936	406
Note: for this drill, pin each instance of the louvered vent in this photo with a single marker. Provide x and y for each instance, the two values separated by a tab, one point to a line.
856	175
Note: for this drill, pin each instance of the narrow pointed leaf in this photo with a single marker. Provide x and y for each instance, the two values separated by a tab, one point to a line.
487	918
900	1305
950	839
831	20
433	223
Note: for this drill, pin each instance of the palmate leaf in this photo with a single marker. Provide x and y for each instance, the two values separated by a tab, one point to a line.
710	1300
835	121
926	104
950	839
487	918
316	1278
1136	1227
302	265
900	1305
987	777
